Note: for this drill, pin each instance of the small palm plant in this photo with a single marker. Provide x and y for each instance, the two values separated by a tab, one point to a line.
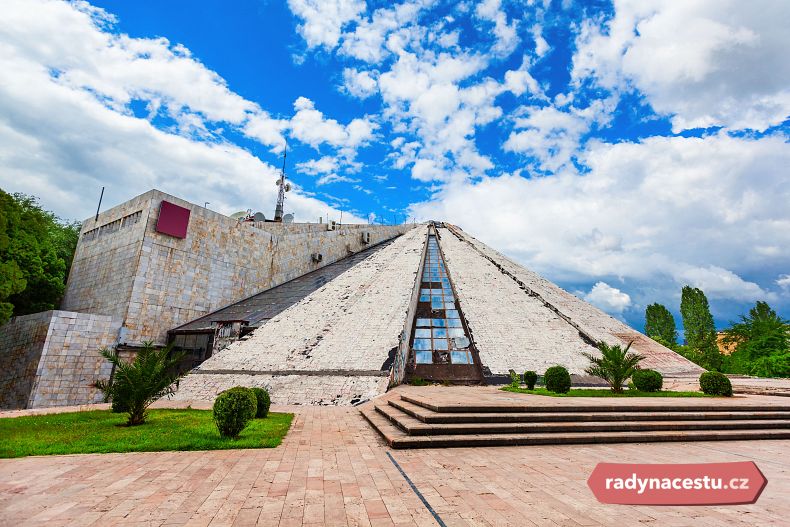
137	384
615	365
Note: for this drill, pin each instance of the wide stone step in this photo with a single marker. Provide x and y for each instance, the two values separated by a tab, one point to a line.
397	438
415	427
429	416
479	408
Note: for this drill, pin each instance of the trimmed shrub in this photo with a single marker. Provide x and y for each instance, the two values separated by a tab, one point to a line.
530	378
233	409
264	402
515	379
647	380
715	383
557	379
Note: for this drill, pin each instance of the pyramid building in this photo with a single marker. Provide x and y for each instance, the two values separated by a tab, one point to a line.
433	303
319	313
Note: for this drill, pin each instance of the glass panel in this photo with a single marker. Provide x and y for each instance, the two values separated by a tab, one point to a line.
424	357
455	332
422	333
423	322
440	344
454	323
422	344
439	333
438	322
452	313
460	357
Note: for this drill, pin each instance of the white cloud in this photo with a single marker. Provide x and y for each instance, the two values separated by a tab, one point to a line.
553	135
505	34
705	63
784	281
541	46
608	298
323	20
520	81
334	178
665	212
367	41
310	126
66	126
318	166
360	84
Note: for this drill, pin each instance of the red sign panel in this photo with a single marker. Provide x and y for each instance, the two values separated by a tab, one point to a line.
677	484
173	220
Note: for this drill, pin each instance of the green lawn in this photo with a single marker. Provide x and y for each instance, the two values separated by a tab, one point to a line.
103	431
603	392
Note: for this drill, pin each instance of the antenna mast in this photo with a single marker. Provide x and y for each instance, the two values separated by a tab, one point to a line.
284	187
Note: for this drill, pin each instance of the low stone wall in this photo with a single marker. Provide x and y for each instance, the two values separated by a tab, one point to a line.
321	390
21	341
52	358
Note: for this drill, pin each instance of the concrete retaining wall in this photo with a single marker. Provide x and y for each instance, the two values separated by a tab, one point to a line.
52	358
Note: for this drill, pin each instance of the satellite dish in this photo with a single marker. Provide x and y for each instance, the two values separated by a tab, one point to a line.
239	215
288	218
258	216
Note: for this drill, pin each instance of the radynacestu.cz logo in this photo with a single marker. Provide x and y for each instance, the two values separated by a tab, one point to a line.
677	484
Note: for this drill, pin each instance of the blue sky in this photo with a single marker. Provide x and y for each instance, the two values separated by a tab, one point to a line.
622	150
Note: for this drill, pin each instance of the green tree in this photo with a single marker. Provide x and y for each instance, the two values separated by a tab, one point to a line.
615	365
135	385
660	324
36	249
699	329
763	343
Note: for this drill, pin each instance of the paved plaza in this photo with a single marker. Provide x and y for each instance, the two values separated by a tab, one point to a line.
334	469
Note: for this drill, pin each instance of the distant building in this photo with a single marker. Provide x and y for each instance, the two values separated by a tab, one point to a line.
725	348
318	313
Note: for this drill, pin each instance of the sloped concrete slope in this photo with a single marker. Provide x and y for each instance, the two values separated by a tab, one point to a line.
330	348
522	321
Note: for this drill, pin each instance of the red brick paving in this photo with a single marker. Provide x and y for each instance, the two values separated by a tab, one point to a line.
332	469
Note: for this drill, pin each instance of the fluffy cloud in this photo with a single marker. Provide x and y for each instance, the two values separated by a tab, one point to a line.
505	34
66	124
608	298
705	63
310	126
323	20
360	84
666	211
784	281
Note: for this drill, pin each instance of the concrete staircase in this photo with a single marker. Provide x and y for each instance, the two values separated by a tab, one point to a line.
415	422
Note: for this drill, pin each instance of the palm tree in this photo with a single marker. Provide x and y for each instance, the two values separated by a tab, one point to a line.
137	384
615	365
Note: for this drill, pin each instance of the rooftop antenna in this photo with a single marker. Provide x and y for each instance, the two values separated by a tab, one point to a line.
284	187
99	207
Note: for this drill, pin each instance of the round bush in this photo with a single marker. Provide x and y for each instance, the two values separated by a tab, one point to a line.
530	378
715	383
233	409
647	380
264	402
557	379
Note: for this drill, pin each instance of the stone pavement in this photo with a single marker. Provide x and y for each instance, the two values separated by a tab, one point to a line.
333	469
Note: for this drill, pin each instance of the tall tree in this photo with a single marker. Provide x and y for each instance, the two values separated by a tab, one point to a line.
36	249
660	323
699	328
763	343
